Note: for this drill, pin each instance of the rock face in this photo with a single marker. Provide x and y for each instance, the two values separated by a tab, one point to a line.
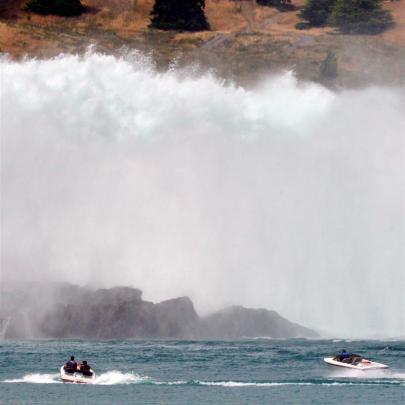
238	322
120	313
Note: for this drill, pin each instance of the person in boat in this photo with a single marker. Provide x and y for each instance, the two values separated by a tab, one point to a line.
85	369
71	365
346	357
342	356
355	359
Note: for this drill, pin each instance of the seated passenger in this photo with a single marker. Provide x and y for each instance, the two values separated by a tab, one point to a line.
344	356
85	369
71	365
356	359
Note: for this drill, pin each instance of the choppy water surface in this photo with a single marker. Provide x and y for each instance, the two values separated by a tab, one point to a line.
257	371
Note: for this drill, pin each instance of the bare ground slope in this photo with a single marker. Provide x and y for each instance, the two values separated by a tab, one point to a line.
245	40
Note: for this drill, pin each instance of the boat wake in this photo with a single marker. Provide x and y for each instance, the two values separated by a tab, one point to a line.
368	375
115	377
347	378
37	379
110	378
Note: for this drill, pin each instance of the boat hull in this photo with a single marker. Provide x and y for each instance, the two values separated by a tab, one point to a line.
363	365
77	378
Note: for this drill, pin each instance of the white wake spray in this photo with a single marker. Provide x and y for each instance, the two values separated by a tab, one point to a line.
285	196
115	377
37	378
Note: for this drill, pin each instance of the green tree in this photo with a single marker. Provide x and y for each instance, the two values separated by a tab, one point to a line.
68	8
185	15
279	4
360	16
317	12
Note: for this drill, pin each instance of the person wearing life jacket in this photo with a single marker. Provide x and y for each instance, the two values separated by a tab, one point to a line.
344	356
71	365
85	369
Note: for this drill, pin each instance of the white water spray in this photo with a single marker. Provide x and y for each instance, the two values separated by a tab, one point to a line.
286	196
4	323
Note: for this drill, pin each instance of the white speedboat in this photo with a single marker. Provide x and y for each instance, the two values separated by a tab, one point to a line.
77	377
357	364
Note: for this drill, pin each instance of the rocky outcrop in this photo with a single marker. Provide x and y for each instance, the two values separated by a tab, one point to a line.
238	322
121	313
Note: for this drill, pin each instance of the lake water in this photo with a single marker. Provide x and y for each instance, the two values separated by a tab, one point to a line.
259	371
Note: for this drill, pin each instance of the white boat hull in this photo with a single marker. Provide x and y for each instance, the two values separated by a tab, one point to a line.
362	365
77	378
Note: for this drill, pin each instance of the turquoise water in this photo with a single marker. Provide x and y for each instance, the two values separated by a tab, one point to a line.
260	371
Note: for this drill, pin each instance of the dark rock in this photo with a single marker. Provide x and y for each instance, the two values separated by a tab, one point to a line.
176	318
239	322
67	311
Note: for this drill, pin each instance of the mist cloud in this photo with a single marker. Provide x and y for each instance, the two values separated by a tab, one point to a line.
286	196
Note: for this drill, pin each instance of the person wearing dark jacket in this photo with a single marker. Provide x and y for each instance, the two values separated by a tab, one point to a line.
85	369
71	365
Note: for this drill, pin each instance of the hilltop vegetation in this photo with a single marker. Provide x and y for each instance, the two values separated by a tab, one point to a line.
317	12
245	40
280	4
349	16
360	16
179	15
67	8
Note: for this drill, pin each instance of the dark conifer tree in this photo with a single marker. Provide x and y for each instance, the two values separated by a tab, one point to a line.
68	8
360	16
187	15
317	12
283	5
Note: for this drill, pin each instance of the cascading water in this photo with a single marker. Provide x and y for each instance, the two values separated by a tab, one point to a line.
4	323
286	196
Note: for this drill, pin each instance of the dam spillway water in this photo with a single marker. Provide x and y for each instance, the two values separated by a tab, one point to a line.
286	195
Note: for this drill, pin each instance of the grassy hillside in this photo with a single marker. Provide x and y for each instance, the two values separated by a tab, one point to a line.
245	39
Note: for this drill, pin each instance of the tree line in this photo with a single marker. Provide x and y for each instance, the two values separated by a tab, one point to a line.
349	16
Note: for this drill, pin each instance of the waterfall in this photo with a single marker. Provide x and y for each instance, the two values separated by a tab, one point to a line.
4	326
285	195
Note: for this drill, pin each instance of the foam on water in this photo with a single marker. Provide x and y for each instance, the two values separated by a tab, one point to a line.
115	377
238	384
37	379
246	384
118	378
112	377
367	374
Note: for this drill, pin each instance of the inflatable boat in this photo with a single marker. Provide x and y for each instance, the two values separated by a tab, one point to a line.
77	377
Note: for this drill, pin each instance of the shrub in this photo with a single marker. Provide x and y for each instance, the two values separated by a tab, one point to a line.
360	16
185	15
329	67
316	12
302	26
68	8
282	5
